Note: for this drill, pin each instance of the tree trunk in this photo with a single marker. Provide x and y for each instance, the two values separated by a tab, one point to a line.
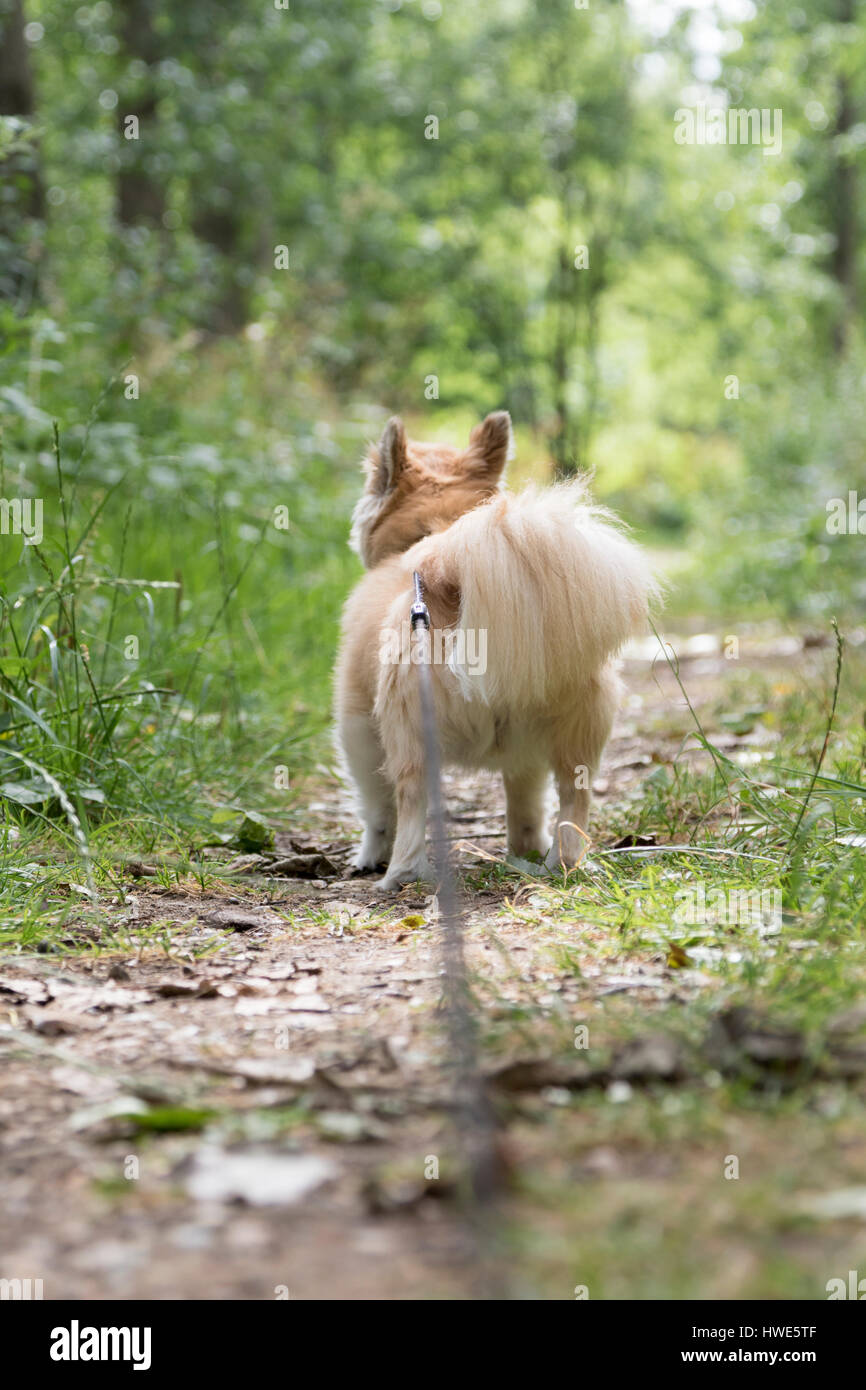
843	203
22	206
562	442
140	192
220	229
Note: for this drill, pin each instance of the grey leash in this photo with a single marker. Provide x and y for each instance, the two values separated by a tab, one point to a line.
474	1118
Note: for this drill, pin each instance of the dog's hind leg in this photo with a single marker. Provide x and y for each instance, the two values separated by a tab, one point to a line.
365	757
398	708
578	743
524	797
409	858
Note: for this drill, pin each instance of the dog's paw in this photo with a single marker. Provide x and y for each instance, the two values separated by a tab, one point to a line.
364	870
374	852
530	846
557	862
398	876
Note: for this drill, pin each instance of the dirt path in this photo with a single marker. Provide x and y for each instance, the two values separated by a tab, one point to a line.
247	1099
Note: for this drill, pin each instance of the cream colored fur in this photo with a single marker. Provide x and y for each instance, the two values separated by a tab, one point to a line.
557	589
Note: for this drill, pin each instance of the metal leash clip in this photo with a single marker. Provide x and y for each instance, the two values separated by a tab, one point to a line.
418	613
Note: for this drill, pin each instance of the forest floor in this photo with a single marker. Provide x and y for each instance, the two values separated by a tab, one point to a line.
233	1086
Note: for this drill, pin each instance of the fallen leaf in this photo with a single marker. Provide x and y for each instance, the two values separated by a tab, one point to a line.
845	1203
534	1073
345	1127
309	1003
254	834
57	1023
266	1071
24	990
83	1083
635	842
255	1176
245	864
238	919
166	1119
282	971
180	987
303	866
656	1057
99	997
677	958
258	1004
94	1115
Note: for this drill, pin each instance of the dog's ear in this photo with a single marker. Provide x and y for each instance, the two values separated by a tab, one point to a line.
389	457
491	444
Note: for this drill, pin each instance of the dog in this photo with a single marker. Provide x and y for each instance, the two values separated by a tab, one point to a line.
552	586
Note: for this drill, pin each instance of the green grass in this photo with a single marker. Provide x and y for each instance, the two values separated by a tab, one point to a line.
165	649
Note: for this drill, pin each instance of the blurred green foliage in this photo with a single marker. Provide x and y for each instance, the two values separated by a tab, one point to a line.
433	170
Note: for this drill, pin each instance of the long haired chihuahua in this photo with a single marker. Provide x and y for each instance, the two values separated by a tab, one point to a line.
530	598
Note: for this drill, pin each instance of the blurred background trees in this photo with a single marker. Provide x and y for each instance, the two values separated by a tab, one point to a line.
441	208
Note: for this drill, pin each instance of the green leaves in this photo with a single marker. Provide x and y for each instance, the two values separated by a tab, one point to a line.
253	835
15	665
32	793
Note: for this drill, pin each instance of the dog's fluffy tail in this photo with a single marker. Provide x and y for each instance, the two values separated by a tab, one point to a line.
553	583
